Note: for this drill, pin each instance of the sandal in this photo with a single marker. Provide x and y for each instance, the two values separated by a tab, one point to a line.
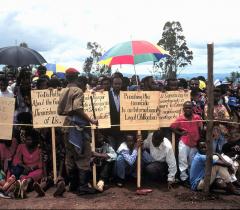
9	182
60	189
100	185
17	190
37	187
24	186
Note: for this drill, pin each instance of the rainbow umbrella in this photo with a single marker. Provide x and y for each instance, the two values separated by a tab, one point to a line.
133	52
57	69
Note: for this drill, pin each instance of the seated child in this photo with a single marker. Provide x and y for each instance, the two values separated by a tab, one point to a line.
104	157
126	159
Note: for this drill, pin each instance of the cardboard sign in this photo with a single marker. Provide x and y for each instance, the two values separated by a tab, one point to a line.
7	107
139	110
149	110
44	108
101	107
171	106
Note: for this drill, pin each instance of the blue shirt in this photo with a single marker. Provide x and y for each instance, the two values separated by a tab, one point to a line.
129	157
197	170
218	144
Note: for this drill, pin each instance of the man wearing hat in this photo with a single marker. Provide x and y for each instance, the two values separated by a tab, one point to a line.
77	140
42	72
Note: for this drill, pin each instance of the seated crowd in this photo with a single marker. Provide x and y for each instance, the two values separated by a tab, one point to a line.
26	160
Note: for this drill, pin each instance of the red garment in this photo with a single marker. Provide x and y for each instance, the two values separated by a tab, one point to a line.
7	153
192	128
29	159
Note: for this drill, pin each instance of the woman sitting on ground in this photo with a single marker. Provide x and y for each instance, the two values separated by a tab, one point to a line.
27	163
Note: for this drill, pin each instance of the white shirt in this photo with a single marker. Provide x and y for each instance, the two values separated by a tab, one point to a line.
116	100
163	153
6	93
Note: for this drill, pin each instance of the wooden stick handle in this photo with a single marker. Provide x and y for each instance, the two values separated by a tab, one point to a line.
139	164
54	155
174	142
94	165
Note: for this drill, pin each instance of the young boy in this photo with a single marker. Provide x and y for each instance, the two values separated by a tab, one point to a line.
104	157
188	126
126	160
220	169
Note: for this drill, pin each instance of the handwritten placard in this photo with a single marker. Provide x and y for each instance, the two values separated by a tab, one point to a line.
149	110
44	108
7	106
101	107
139	110
171	106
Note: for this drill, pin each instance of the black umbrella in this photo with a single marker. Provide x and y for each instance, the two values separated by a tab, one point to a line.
20	56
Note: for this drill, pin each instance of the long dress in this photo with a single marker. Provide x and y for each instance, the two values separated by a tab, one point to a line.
30	160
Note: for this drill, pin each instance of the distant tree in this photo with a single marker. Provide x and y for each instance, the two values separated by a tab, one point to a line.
91	65
233	77
87	66
174	41
23	44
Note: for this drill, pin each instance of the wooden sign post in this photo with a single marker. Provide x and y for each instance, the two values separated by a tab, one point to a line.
149	110
44	111
139	155
96	106
210	88
54	158
174	142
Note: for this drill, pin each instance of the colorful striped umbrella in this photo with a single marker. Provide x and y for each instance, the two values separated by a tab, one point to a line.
133	52
57	69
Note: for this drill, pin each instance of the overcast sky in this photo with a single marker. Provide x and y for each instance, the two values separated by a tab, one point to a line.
61	29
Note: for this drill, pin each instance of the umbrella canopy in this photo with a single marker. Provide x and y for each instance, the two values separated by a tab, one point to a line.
20	56
133	52
57	69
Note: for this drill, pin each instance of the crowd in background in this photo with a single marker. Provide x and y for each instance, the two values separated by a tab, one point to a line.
26	160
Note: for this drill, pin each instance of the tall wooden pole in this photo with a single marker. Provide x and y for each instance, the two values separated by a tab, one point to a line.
54	155
210	88
139	154
93	146
94	165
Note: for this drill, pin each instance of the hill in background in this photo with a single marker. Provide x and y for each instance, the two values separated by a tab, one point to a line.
221	77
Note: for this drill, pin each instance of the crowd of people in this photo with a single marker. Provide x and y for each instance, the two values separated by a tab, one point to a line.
26	160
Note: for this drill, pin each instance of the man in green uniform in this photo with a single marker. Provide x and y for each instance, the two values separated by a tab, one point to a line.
77	140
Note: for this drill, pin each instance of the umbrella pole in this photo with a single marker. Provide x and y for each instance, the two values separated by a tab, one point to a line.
136	75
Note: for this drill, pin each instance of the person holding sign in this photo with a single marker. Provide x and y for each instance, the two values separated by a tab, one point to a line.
104	158
188	126
77	144
114	103
126	160
160	160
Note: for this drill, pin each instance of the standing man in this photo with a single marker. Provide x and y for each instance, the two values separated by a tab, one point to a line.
77	140
149	84
114	105
188	126
4	91
42	72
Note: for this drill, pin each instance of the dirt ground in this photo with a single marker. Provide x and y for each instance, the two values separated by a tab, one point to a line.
126	198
